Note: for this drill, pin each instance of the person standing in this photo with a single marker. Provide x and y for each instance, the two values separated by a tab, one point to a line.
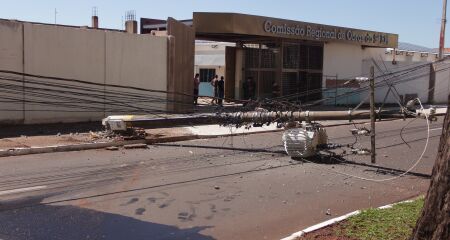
275	90
214	84
221	90
196	87
249	89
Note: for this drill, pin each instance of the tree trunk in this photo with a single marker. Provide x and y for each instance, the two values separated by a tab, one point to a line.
434	222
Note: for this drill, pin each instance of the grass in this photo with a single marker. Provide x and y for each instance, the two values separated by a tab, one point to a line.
394	223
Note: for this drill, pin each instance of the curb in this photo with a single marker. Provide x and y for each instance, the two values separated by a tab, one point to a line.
90	146
327	223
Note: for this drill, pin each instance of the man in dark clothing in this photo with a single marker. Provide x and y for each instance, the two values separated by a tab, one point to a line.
249	89
221	90
196	87
275	90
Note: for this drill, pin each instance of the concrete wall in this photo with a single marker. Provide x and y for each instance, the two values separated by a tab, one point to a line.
442	83
349	61
346	60
66	53
95	56
418	85
404	56
416	82
138	61
343	60
11	58
180	69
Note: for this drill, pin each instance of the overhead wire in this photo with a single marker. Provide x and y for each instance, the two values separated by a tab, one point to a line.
400	175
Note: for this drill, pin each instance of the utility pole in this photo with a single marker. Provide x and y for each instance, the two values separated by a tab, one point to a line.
372	115
56	12
442	36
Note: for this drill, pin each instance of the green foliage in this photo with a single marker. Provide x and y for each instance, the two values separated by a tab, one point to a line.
394	223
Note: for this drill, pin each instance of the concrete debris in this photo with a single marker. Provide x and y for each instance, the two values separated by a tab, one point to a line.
135	133
216	187
94	135
191	152
112	148
59	134
138	145
328	212
130	134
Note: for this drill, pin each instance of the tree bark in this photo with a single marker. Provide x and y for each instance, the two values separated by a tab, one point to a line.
434	222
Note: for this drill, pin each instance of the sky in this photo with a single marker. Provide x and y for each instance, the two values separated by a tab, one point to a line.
416	21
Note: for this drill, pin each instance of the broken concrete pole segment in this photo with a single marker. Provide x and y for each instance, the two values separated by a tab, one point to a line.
139	145
113	148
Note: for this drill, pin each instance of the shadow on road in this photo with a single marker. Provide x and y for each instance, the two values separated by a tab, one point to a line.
46	222
334	160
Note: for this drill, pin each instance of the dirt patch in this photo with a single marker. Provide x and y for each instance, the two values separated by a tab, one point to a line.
41	141
327	233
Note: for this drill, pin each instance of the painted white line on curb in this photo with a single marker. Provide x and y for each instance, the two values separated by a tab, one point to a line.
320	225
21	190
327	223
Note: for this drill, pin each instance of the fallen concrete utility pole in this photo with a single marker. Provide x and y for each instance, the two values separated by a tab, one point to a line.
120	123
307	116
304	140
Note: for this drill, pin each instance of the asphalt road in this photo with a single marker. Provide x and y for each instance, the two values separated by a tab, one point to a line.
227	188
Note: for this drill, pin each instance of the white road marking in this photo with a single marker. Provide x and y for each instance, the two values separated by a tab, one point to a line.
21	190
435	129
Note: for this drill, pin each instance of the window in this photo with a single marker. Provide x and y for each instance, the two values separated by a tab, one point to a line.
206	74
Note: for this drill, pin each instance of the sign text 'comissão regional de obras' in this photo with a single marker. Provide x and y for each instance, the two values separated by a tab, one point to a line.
318	32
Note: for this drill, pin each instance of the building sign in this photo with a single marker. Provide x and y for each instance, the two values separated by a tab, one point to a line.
320	33
235	25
